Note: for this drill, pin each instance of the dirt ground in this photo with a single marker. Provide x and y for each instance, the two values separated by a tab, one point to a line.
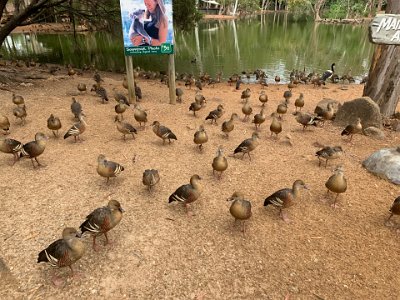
159	251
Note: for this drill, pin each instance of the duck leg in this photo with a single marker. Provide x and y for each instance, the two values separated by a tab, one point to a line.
94	245
248	153
57	280
334	204
33	164
54	134
38	163
283	216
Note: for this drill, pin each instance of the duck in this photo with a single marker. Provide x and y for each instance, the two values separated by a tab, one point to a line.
125	128
328	153
140	115
187	193
240	208
17	99
118	97
125	83
287	95
246	110
20	113
97	77
179	94
107	168
11	146
138	92
102	220
200	98
35	148
263	98
101	92
54	124
76	108
63	252
281	109
259	119
352	129
150	178
82	87
306	119
220	163
285	198
200	137
77	129
395	208
4	124
337	183
120	108
326	114
216	114
277	79
328	73
276	126
199	85
238	83
196	106
299	102
163	132
71	71
248	145
228	126
246	94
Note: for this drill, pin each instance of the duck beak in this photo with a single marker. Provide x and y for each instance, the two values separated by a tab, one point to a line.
78	235
121	209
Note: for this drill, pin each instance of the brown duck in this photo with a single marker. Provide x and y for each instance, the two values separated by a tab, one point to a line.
82	87
281	109
54	124
187	193
299	102
200	137
259	119
120	108
20	113
125	128
263	98
77	129
17	99
285	198
228	126
106	168
35	148
306	119
248	145
216	114
240	208
11	146
4	124
337	183
246	110
76	108
395	208
220	163
328	153
102	220
352	129
163	132
140	115
150	178
276	126
64	252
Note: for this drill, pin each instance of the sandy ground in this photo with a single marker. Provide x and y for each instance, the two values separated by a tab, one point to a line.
160	252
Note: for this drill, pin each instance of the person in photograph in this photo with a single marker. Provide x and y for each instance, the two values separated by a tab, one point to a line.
150	26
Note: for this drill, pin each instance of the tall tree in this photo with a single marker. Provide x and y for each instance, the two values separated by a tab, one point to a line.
383	84
317	9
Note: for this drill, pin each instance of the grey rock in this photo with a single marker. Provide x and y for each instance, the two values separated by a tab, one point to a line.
385	163
374	132
364	108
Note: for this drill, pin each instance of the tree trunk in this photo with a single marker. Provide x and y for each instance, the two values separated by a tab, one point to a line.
235	7
383	84
379	6
317	7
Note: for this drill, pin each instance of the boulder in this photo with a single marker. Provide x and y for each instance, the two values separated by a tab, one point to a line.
385	163
374	132
364	108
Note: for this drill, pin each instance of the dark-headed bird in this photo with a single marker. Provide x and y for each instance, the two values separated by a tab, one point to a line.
328	73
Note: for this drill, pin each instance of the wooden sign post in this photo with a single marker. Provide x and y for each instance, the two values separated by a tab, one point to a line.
385	29
171	79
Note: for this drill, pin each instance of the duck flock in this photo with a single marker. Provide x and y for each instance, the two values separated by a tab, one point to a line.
69	249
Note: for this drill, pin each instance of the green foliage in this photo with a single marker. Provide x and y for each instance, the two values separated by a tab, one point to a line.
185	13
300	8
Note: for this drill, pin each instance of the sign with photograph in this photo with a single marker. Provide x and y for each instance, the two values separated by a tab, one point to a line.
147	26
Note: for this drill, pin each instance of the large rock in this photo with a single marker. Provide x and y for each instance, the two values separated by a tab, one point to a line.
363	108
385	163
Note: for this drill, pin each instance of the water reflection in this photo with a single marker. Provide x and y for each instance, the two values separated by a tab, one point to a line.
274	42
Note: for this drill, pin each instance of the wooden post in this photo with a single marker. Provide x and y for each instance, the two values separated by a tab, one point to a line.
171	79
130	79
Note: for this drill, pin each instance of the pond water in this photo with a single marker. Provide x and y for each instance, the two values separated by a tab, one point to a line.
275	43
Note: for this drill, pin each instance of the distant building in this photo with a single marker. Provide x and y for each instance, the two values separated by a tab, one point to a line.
209	7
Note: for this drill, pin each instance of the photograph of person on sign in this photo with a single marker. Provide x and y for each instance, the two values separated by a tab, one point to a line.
147	22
